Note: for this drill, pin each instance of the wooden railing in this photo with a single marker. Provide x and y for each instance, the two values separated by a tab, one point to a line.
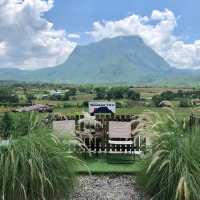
100	145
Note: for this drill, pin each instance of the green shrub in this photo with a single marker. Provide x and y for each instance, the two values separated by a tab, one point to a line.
172	169
168	95
67	105
66	97
19	124
119	104
134	95
184	103
6	126
85	104
72	91
8	95
156	100
36	166
34	163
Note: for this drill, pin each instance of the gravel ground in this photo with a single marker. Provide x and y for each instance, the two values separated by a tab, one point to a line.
121	187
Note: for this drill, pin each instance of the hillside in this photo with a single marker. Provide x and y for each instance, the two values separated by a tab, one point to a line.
122	59
116	60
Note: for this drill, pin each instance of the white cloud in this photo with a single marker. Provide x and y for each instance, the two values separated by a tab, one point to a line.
157	31
27	39
2	48
73	36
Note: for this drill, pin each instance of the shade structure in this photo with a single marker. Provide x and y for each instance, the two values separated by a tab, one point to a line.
119	130
64	127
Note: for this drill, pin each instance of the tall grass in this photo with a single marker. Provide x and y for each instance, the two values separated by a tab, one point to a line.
172	170
36	165
19	124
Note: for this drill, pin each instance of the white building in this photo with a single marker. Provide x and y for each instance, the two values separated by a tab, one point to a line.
101	107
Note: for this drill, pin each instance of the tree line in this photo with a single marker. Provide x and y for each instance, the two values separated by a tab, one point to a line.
182	95
116	93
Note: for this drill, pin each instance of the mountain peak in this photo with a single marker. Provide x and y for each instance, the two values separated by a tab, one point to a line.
123	59
134	38
119	59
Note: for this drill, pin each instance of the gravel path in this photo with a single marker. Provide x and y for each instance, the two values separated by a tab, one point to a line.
112	187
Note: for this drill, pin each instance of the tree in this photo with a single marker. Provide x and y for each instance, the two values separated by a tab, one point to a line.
185	103
101	93
66	96
72	91
117	92
30	97
119	104
85	104
7	95
133	95
156	99
180	93
167	95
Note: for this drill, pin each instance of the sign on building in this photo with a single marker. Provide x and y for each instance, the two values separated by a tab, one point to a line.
102	107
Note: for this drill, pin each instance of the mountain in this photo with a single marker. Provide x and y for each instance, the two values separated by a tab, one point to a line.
116	60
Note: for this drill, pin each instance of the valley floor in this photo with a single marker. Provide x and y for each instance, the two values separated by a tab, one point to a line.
109	187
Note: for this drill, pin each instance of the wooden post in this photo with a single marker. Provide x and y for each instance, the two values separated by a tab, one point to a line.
117	118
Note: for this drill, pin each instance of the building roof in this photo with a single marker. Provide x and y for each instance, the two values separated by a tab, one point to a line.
119	129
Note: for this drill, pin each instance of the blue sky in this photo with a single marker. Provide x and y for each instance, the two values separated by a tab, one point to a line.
78	15
43	33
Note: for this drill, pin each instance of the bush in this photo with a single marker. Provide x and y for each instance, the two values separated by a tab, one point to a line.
72	91
25	123
30	97
67	105
119	104
168	95
172	169
133	95
156	100
8	96
85	104
185	103
117	93
101	93
19	123
36	165
56	97
6	126
66	97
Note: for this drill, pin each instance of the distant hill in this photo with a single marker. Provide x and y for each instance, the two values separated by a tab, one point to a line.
116	60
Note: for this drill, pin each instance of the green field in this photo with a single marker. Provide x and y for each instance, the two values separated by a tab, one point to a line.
75	106
180	112
100	165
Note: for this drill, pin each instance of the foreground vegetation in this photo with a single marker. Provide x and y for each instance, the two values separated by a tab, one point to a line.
172	168
102	165
34	163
